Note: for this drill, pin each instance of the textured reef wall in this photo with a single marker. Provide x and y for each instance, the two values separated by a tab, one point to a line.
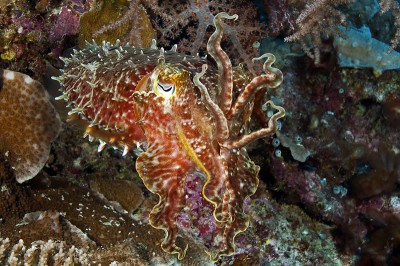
328	188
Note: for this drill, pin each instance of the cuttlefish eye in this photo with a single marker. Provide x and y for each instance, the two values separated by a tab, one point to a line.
165	90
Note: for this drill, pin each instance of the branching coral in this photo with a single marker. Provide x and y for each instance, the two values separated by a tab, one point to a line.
186	22
317	18
189	22
28	123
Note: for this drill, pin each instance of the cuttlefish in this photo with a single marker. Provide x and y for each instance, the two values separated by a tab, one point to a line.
185	114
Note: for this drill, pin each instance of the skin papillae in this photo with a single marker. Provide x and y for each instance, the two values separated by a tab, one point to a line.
186	115
191	133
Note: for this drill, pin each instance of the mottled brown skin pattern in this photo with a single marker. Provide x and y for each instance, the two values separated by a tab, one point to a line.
181	139
171	126
185	135
163	164
194	119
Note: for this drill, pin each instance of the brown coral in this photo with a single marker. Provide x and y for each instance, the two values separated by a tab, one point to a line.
122	192
112	20
41	253
28	123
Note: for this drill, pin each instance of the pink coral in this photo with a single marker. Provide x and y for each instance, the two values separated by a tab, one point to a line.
199	212
190	22
65	24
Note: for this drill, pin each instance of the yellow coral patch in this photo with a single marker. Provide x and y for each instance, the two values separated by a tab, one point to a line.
112	20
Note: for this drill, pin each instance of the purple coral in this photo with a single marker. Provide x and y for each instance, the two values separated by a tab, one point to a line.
198	216
65	24
34	34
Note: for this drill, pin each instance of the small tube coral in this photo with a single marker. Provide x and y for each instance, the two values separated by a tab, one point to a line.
28	123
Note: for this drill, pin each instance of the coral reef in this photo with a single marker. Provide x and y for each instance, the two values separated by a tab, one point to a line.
85	228
32	34
29	123
351	174
329	178
311	23
189	23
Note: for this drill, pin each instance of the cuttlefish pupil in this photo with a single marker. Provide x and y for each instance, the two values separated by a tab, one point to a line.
167	87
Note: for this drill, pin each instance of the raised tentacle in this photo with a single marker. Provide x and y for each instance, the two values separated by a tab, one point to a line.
261	133
222	124
272	78
243	183
213	186
225	81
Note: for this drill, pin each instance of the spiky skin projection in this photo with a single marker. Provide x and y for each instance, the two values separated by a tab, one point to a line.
188	117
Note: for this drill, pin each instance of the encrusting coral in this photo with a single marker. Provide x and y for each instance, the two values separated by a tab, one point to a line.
125	193
28	122
112	20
